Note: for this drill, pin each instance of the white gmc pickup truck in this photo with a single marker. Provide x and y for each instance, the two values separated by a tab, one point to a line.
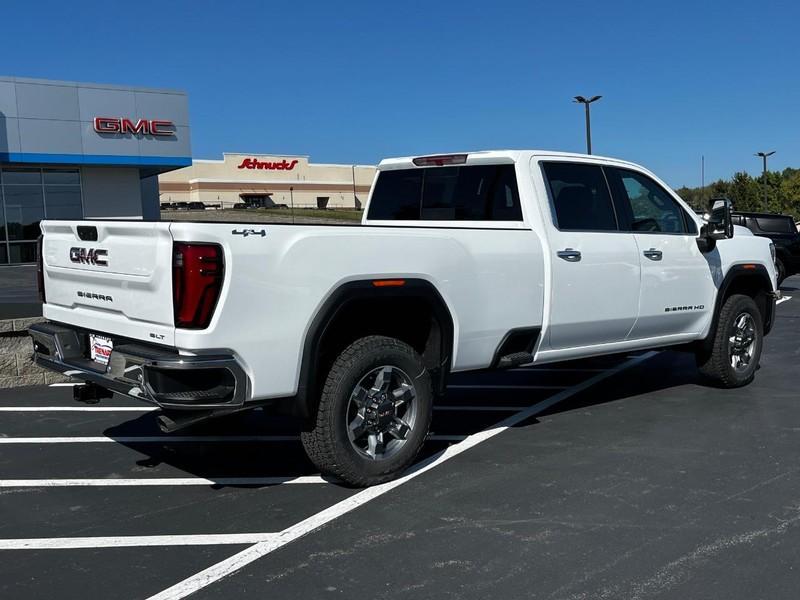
468	261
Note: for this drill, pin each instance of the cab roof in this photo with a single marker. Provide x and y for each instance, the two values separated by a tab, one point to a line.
499	156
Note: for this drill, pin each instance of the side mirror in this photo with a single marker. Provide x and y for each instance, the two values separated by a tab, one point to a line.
718	224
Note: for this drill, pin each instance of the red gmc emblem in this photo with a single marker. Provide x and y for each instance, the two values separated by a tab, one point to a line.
252	163
142	126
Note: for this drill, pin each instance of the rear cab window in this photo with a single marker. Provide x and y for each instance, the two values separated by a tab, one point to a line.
447	193
776	224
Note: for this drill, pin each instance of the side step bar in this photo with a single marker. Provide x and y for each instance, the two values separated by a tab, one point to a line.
173	420
514	360
516	348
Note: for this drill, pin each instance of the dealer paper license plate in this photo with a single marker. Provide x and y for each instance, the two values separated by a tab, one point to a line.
100	348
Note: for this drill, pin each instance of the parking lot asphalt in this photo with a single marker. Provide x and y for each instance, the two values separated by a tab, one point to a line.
19	296
616	477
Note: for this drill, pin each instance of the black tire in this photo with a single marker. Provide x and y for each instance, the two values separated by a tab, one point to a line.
328	444
780	269
716	363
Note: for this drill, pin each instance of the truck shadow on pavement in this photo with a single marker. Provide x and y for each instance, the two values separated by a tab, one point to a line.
228	457
667	370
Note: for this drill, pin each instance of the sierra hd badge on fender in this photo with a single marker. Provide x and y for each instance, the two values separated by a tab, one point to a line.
89	256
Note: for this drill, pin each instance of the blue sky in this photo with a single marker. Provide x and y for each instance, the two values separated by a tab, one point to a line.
358	81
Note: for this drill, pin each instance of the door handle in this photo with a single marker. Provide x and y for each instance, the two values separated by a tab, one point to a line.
653	254
569	255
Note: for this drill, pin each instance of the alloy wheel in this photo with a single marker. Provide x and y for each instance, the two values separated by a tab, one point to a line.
381	412
742	342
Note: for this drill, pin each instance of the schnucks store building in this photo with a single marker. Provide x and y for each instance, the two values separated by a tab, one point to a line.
83	150
265	180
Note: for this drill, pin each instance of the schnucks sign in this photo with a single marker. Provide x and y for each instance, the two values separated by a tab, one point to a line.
252	163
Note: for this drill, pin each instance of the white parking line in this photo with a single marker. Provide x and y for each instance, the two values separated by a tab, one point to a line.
135	540
77	408
148	439
487	408
153	408
263	543
160	481
507	387
784	299
172	439
241	559
535	369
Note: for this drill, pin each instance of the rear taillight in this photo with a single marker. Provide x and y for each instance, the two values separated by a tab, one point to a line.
40	269
197	274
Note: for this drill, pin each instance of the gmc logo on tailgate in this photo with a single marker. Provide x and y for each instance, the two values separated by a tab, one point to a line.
89	256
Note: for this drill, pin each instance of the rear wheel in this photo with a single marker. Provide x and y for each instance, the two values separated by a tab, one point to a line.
736	350
374	412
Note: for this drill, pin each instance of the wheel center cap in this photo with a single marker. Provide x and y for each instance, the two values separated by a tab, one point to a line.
380	412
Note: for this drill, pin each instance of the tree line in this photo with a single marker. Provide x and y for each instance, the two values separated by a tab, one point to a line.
747	193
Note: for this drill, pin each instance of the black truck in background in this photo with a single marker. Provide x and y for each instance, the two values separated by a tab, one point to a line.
782	230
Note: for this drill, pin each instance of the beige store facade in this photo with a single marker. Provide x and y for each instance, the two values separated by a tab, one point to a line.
267	180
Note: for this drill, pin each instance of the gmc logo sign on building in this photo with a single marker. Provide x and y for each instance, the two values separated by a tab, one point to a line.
155	127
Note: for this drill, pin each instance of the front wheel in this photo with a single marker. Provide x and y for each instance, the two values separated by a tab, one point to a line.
374	412
736	349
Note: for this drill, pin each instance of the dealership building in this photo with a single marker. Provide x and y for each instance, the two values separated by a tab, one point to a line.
266	180
83	150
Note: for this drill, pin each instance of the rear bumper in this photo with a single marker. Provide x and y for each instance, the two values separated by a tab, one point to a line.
145	372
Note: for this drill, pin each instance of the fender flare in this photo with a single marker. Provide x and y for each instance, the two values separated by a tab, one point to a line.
737	273
304	403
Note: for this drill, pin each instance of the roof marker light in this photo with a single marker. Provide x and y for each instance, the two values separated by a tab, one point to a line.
388	282
441	160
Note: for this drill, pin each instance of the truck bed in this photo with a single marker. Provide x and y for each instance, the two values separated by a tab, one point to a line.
278	276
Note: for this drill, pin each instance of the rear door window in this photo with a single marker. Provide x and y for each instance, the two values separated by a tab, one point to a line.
580	197
462	193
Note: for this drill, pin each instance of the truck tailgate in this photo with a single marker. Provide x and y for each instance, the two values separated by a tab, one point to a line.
117	281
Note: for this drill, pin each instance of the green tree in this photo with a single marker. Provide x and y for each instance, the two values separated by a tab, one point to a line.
744	192
747	192
790	192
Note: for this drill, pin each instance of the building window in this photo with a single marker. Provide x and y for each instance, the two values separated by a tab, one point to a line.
28	195
322	201
62	194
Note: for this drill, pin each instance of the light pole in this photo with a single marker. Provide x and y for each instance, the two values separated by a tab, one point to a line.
586	103
355	198
291	196
764	156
